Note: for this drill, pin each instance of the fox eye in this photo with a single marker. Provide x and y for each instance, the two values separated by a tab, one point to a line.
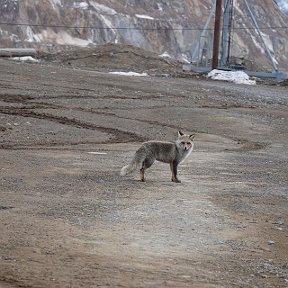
183	143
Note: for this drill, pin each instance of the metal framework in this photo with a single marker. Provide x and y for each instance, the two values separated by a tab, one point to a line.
275	69
202	50
203	39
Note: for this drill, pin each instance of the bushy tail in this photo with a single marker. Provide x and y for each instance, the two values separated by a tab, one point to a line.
135	163
128	168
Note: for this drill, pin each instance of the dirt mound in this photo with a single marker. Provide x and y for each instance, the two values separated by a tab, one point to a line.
111	57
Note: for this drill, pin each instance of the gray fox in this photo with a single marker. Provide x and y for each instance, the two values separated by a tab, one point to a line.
168	152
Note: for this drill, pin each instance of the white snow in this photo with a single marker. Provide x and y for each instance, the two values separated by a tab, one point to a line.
26	59
269	45
102	8
81	5
257	44
144	16
165	54
31	37
185	59
267	41
160	7
239	10
238	77
108	23
130	74
55	3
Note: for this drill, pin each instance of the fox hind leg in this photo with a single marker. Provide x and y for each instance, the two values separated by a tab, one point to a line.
148	161
142	176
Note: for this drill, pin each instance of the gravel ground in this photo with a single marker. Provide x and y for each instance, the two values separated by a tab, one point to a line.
69	220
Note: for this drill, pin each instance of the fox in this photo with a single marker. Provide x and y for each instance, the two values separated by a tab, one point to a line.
167	152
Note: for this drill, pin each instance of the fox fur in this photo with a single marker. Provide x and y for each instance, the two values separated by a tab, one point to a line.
167	152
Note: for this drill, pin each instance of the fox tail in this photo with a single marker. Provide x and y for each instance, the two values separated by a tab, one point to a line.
135	163
128	168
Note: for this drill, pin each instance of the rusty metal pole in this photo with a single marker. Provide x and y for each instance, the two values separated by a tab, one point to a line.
217	29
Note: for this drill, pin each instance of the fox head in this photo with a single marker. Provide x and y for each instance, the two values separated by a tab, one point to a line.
184	141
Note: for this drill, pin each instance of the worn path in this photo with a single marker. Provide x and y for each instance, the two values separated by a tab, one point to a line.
69	220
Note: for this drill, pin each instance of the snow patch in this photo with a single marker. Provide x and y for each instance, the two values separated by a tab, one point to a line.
130	74
160	7
185	59
144	16
55	3
165	54
257	44
102	8
108	23
31	37
269	45
81	5
26	59
237	77
267	41
239	10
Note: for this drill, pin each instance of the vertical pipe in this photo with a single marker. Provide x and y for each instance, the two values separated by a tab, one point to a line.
217	27
225	33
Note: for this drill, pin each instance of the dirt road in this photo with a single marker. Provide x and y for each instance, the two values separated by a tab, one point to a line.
69	220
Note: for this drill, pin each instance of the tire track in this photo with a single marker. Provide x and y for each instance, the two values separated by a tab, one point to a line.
119	136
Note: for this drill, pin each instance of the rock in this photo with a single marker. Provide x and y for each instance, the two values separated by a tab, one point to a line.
279	221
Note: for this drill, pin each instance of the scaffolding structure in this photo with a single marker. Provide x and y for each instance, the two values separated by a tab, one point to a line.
202	52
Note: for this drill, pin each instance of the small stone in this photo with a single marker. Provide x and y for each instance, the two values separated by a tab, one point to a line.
279	221
264	276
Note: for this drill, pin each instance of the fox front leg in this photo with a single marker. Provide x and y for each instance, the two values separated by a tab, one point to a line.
173	167
142	176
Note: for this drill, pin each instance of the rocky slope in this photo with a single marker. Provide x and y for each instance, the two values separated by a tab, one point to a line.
170	27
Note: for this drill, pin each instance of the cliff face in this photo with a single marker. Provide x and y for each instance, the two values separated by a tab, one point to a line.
156	25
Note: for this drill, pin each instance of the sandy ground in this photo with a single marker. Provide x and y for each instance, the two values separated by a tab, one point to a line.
69	220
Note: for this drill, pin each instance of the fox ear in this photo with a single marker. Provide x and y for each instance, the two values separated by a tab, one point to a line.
180	133
192	136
